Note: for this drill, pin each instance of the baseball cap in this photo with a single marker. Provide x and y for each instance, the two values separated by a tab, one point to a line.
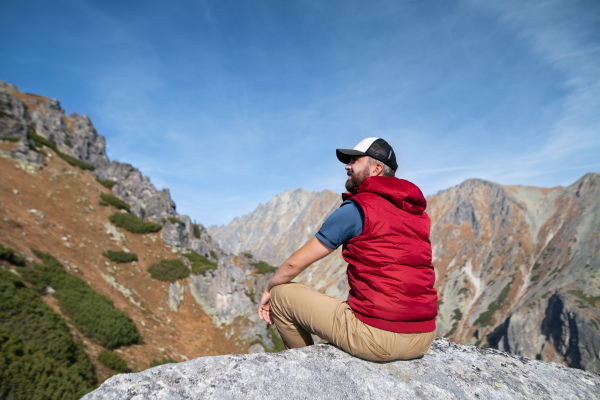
377	148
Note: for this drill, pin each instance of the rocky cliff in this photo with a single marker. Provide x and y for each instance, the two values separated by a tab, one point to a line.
448	371
29	121
517	267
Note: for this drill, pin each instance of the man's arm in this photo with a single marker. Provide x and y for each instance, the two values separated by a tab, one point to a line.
302	258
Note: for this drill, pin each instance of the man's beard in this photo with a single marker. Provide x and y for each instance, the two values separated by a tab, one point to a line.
355	180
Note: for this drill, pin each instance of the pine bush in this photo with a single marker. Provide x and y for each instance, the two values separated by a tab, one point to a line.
133	224
38	357
92	313
200	263
112	361
114	201
106	183
169	270
120	256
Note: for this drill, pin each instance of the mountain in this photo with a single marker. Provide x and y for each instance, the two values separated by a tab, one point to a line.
516	267
59	194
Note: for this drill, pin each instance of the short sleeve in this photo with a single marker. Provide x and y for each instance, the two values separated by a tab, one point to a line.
345	223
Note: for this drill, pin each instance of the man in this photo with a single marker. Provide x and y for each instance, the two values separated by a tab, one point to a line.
391	308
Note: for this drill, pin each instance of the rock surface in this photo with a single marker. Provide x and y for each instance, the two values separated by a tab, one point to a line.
448	371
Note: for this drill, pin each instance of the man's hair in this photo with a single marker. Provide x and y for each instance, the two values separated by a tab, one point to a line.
387	171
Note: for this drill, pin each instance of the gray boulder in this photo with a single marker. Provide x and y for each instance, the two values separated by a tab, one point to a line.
448	371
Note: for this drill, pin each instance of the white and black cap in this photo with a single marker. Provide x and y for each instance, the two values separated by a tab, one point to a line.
377	148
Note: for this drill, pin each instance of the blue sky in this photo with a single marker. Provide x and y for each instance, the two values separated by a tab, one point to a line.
228	103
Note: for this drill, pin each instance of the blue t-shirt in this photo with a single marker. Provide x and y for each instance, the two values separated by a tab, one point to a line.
345	223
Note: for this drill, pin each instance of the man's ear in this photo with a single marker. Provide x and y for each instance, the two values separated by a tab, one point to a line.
378	169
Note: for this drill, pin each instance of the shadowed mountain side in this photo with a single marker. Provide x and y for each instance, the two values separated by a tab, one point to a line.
448	371
506	257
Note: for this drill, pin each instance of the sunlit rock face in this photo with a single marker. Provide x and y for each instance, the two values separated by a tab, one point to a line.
448	371
517	267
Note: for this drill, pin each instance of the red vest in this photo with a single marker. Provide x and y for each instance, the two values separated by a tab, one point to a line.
390	272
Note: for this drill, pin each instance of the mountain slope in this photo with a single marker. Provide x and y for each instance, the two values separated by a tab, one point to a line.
54	172
517	267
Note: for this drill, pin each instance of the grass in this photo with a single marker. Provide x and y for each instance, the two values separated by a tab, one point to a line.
591	300
106	183
112	361
10	138
115	202
8	254
40	141
274	336
38	357
92	313
120	256
133	224
263	267
166	360
485	318
200	263
169	270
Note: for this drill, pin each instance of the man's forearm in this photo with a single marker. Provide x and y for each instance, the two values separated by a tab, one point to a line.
302	258
284	274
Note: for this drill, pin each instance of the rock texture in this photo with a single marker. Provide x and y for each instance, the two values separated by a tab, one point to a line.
449	371
517	267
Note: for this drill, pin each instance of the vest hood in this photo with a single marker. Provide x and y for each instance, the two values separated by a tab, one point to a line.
404	194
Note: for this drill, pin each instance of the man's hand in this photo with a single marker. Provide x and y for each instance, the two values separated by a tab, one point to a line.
312	251
264	308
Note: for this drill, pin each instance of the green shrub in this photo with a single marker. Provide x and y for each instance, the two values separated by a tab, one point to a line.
214	255
486	317
274	336
114	201
591	300
133	224
248	255
106	183
11	139
200	263
38	357
120	256
8	254
173	220
93	314
263	267
169	270
39	141
196	229
166	360
68	142
112	361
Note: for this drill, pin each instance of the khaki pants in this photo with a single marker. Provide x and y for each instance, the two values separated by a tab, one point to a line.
299	312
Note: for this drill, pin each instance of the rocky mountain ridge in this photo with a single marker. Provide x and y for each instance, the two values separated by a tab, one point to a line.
517	267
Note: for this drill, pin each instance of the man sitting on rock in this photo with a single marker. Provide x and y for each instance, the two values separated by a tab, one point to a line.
391	308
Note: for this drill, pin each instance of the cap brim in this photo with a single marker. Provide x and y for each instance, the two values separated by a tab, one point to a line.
345	155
